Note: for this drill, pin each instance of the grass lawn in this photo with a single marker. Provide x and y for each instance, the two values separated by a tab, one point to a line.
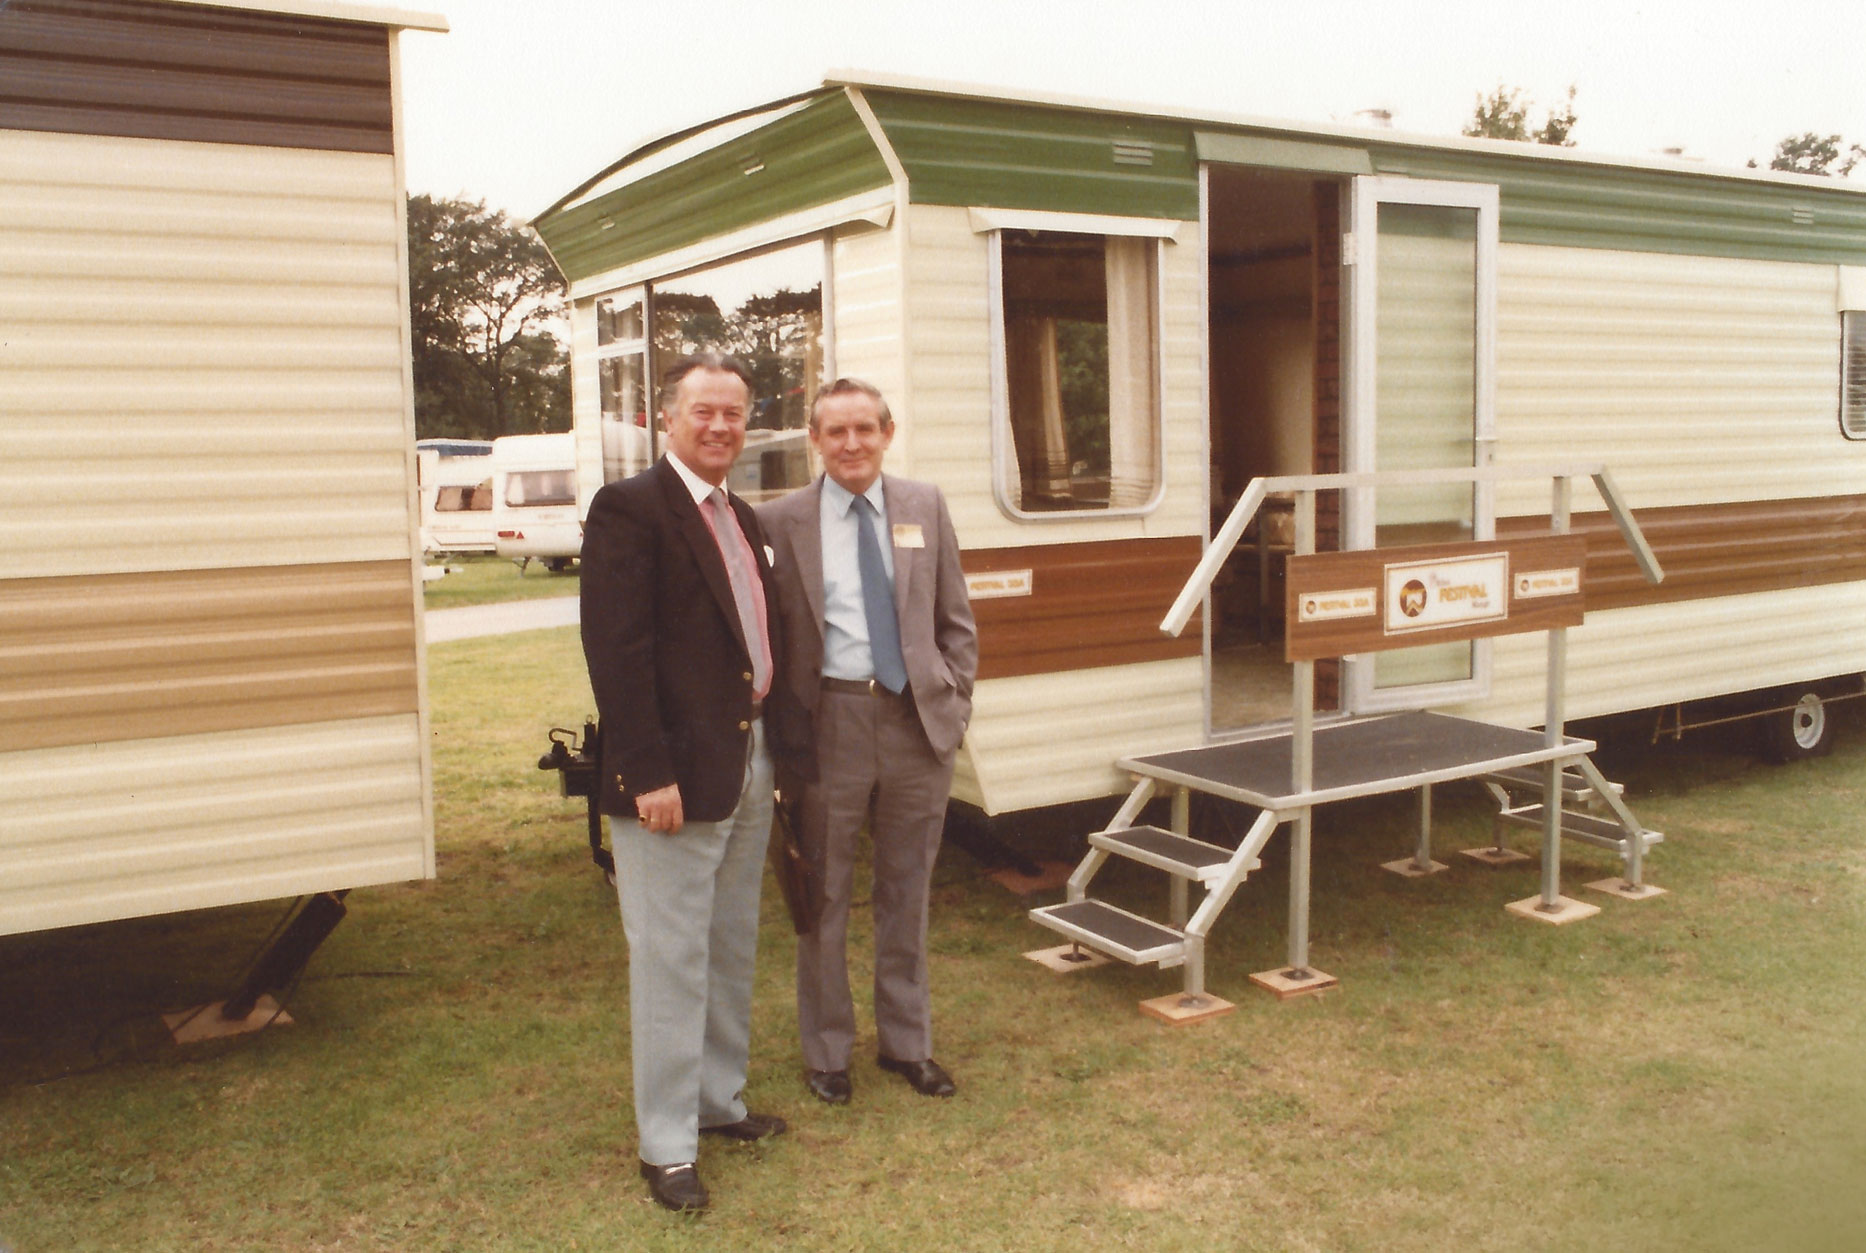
489	580
1684	1073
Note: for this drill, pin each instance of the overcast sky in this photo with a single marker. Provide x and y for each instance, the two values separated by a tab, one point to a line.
525	99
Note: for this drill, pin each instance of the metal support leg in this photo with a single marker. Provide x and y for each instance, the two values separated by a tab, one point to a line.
1299	894
1422	855
1177	911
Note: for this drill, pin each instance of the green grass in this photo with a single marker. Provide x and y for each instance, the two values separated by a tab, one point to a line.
489	580
1683	1073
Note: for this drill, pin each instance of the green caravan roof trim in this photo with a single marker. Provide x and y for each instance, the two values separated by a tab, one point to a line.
1282	154
1575	205
818	155
961	151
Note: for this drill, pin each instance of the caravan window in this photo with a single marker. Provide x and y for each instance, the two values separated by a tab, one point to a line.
766	309
463	499
1079	384
1853	373
621	385
528	488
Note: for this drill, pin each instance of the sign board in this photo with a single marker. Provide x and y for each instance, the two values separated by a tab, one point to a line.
1381	598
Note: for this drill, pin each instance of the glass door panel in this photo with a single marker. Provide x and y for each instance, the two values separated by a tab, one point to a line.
1422	339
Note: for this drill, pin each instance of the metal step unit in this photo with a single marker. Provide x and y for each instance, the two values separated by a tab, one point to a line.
1169	851
1585	828
1576	789
1109	929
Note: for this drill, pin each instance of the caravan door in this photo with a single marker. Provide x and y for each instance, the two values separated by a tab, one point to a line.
1421	394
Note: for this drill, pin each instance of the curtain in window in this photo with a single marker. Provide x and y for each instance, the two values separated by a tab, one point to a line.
1132	453
1038	442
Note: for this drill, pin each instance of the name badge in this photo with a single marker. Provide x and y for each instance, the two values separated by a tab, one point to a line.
909	535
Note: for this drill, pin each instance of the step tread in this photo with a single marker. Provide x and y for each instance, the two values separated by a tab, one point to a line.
1572	782
1113	924
1531	815
1170	845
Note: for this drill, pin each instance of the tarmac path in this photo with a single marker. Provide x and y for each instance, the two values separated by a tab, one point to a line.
469	621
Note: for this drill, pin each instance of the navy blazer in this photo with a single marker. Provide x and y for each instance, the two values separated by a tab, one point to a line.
666	654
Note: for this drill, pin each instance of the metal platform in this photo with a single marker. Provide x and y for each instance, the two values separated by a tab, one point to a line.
1367	757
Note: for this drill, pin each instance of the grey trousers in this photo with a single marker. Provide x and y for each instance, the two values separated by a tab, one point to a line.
870	748
690	912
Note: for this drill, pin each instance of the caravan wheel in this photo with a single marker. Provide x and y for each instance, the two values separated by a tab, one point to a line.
1799	732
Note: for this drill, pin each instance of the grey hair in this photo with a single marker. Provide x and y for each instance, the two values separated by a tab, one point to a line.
853	387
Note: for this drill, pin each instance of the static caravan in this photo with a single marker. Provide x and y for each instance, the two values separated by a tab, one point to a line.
534	499
1098	326
211	681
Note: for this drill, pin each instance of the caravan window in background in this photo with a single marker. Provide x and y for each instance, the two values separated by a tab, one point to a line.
1853	373
463	499
1080	379
622	384
766	309
527	488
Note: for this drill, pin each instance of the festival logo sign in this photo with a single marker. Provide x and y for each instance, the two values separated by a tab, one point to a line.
1431	595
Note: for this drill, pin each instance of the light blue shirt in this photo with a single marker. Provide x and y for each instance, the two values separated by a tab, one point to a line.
845	622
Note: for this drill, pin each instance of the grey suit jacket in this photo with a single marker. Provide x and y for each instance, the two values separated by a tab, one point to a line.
939	639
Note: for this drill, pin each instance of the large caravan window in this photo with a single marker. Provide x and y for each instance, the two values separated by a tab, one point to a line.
530	488
622	384
1079	381
1853	373
766	310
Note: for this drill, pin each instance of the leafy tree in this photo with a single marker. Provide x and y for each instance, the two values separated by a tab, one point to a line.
1809	153
1504	114
485	302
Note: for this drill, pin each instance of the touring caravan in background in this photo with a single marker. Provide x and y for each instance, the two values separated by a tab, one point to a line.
1098	326
456	496
213	691
534	499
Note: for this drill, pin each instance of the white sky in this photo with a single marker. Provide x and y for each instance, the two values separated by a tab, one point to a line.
525	99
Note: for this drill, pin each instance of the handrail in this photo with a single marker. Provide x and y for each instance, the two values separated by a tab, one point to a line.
1252	500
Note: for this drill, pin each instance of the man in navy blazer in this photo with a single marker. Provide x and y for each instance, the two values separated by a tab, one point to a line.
681	645
872	700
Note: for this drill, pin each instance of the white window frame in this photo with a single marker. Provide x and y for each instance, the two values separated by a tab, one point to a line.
994	222
1851	307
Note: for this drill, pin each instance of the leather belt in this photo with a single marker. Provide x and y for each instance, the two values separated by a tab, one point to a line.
860	687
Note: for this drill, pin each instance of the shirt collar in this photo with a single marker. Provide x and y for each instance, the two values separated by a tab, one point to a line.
700	488
841	498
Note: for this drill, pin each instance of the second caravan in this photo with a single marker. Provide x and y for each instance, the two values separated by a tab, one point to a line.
534	499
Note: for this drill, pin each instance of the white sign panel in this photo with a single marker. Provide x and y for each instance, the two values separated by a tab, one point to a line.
1356	602
1533	583
998	583
1427	595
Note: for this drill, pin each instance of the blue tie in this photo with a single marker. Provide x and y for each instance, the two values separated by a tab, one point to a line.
884	632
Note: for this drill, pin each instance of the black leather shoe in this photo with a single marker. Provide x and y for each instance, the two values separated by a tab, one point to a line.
928	1077
676	1187
750	1127
828	1086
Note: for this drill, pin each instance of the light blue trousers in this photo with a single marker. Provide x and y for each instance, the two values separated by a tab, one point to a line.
690	912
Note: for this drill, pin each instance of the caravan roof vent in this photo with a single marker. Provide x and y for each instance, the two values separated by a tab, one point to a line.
1132	154
1802	215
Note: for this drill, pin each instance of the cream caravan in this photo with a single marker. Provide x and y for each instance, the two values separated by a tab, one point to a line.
534	499
1098	326
213	688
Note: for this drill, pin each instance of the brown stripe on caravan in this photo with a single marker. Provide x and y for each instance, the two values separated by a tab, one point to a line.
174	71
1720	550
93	659
1087	605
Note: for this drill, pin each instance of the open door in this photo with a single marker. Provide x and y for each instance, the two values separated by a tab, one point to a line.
1421	394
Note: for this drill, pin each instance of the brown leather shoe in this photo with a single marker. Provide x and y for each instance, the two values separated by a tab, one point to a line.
676	1186
831	1087
927	1076
751	1127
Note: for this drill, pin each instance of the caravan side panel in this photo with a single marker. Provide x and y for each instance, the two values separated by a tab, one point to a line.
1029	743
210	679
1707	385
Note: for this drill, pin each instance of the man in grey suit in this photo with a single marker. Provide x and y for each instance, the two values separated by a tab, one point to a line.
872	698
681	644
